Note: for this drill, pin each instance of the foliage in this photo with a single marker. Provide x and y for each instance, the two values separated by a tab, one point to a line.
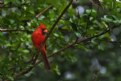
84	45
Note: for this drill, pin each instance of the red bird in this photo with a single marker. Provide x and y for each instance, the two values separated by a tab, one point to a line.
38	37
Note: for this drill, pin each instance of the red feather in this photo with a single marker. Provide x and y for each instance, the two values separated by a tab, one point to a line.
38	38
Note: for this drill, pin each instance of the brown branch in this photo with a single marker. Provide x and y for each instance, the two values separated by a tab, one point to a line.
24	71
77	42
11	30
83	40
9	5
42	12
57	20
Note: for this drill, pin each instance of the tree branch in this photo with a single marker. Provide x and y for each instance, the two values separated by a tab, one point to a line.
77	42
42	12
36	16
57	20
83	40
11	30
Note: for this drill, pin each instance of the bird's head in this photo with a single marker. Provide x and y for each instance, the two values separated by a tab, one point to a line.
43	28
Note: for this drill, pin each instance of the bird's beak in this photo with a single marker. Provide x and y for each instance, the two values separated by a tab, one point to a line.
45	31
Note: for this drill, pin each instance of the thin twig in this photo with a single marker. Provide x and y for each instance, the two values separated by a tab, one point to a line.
11	5
77	42
42	12
11	30
57	20
24	71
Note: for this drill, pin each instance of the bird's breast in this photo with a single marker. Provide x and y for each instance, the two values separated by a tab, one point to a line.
37	39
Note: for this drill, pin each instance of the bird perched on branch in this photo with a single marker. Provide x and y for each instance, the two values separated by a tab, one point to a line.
38	39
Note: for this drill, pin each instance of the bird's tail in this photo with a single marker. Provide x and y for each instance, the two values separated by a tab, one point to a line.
46	63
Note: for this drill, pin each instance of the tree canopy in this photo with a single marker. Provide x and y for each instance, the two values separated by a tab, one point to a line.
83	42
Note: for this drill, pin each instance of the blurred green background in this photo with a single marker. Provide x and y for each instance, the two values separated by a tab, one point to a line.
98	59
